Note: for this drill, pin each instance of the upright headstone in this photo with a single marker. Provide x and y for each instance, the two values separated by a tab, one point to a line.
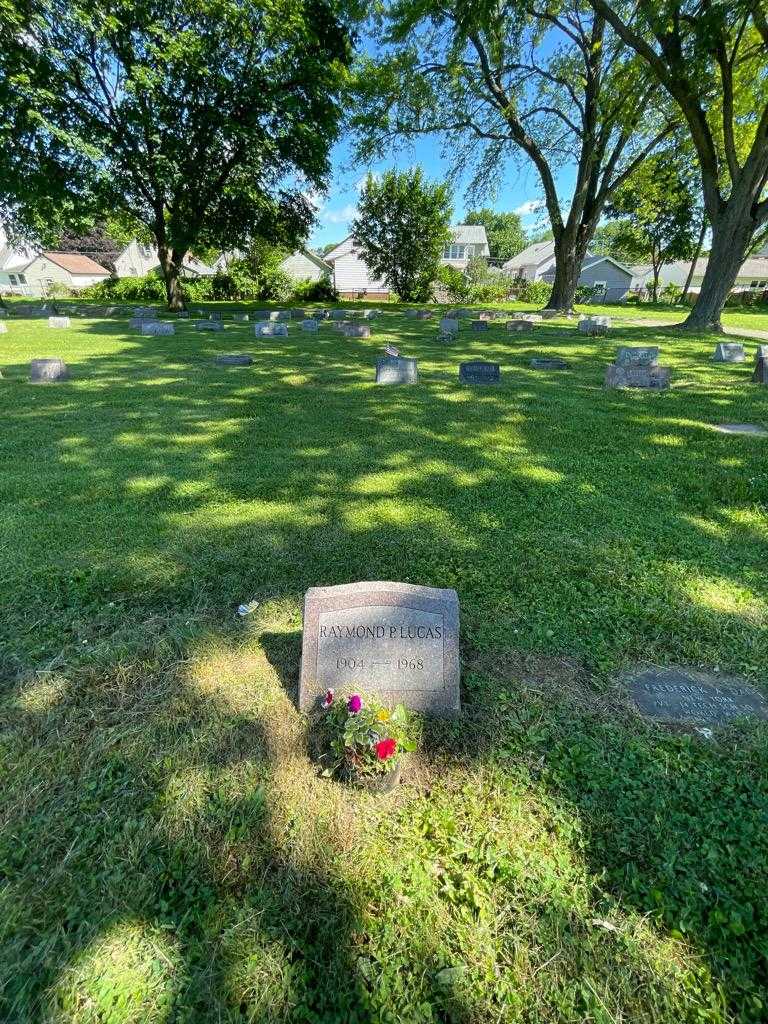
215	315
358	331
448	325
338	314
236	359
760	374
298	314
270	330
637	367
518	324
423	314
477	371
209	325
48	370
594	326
396	370
321	314
3	329
261	314
479	325
729	352
282	315
310	326
395	640
58	321
411	313
761	353
240	318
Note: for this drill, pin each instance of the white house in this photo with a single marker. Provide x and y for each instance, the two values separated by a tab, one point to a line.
13	260
138	260
467	240
352	278
304	265
67	268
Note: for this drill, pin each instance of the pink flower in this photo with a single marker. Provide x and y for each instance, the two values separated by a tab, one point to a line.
354	704
328	700
386	749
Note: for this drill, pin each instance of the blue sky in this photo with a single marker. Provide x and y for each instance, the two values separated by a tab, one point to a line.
519	191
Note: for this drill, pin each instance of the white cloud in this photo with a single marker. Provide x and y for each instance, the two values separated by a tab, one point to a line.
315	198
346	213
530	206
360	183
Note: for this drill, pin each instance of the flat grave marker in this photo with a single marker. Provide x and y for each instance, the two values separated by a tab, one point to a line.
58	321
397	640
690	697
548	363
235	359
741	428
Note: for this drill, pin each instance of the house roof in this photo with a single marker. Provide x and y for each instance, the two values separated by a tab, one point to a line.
313	258
331	254
532	254
469	234
592	261
75	263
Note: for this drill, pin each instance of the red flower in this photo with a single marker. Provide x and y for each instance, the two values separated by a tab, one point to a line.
386	749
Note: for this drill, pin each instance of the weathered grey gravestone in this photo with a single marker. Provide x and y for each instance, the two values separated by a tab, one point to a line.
548	363
310	326
637	355
637	367
396	370
391	350
261	314
282	315
479	325
270	330
240	318
298	314
209	325
155	328
215	316
58	321
518	324
760	374
654	378
396	640
338	314
43	370
449	326
691	697
594	326
358	331
3	329
423	314
477	371
183	314
729	352
761	353
237	359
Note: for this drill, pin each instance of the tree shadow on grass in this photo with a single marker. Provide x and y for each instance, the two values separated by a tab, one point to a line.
173	490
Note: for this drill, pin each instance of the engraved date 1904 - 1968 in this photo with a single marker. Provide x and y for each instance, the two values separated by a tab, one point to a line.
401	664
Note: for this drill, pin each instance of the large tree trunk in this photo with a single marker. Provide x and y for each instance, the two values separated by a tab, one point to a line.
731	234
170	264
568	260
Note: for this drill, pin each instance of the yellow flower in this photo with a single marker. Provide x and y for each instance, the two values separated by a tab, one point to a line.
382	715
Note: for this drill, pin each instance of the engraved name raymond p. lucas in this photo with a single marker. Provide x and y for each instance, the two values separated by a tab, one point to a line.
397	640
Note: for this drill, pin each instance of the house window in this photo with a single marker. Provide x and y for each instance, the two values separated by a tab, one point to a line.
454	252
22	279
12	279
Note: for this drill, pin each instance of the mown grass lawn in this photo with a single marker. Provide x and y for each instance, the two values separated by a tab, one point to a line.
168	852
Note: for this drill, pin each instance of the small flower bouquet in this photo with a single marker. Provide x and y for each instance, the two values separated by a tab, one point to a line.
365	741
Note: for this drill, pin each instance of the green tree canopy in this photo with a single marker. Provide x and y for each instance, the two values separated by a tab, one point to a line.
660	210
402	228
205	123
506	237
711	59
553	84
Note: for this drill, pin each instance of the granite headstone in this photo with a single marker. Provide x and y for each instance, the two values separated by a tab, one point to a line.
236	359
396	640
688	696
45	370
729	352
478	371
396	370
